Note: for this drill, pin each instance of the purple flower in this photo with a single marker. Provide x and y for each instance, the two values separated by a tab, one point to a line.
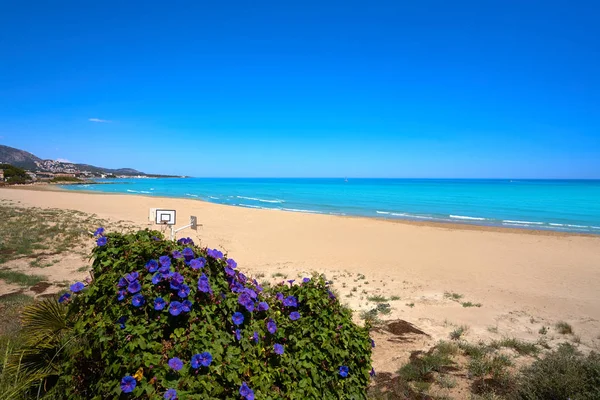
238	318
99	231
294	315
203	284
343	371
271	326
290	301
64	297
238	335
134	287
121	295
242	278
198	263
186	306
176	280
159	304
164	271
152	266
175	308
372	373
132	276
122	283
121	321
278	349
188	253
372	342
156	278
279	296
331	295
176	254
138	300
305	280
184	290
214	253
156	239
101	241
185	241
246	392
258	287
77	287
171	394
255	337
231	263
263	306
245	300
128	383
176	363
165	261
251	292
291	281
229	271
203	359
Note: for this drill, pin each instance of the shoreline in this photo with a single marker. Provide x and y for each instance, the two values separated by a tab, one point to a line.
468	226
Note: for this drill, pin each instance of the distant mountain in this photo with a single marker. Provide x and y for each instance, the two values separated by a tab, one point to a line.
26	160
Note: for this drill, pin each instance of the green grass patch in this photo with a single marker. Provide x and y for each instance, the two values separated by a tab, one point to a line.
469	304
458	332
20	278
564	328
377	298
520	346
394	298
453	296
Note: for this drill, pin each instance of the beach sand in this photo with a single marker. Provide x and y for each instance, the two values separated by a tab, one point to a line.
523	280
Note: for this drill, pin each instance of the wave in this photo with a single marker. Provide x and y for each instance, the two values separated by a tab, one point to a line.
299	210
557	224
595	227
213	197
191	195
252	206
522	222
132	191
382	212
577	226
143	191
467	218
261	200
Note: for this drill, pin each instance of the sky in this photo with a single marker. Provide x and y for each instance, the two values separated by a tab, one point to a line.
438	89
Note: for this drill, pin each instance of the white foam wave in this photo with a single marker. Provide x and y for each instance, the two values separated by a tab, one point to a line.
557	224
577	226
143	191
421	217
213	197
382	212
252	206
400	215
304	211
595	227
132	191
261	200
191	195
467	217
522	222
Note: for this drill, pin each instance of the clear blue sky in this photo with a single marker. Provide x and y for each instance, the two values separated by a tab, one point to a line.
306	88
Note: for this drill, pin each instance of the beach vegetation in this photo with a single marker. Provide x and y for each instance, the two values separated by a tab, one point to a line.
457	333
411	305
467	304
377	298
453	296
394	298
14	175
520	346
278	275
170	319
20	278
543	330
564	328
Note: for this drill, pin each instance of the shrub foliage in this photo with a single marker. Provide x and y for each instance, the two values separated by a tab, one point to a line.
170	319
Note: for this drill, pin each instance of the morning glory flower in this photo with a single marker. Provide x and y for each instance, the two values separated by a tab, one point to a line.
245	300
156	239
290	301
122	283
122	321
372	342
305	280
231	263
134	287
246	392
343	371
77	287
251	292
176	280
132	276
159	303
171	394
101	241
238	335
186	306
242	278
175	363
121	295
176	254
271	327
185	241
99	231
263	306
291	281
164	271
152	266
198	263
203	359
279	296
258	287
156	278
165	261
128	383
255	337
278	349
331	295
188	253
238	318
184	290
175	308
372	373
138	300
229	271
214	253
203	284
64	297
294	315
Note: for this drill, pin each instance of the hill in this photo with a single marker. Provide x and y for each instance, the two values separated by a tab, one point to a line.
28	161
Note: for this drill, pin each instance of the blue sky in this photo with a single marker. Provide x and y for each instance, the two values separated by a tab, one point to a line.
312	88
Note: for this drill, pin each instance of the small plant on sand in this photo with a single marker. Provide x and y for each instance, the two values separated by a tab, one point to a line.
411	305
20	278
458	332
469	304
395	298
453	296
520	346
165	319
543	330
278	275
377	298
563	328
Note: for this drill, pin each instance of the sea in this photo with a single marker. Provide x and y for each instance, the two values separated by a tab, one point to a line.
558	205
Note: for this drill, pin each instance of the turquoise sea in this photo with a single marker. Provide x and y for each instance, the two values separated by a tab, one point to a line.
561	205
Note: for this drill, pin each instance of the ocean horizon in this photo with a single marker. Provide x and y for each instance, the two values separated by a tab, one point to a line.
544	204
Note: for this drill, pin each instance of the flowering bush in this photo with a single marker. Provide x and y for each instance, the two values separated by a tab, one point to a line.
165	319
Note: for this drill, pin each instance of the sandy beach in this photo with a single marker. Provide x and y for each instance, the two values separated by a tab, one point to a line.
523	280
